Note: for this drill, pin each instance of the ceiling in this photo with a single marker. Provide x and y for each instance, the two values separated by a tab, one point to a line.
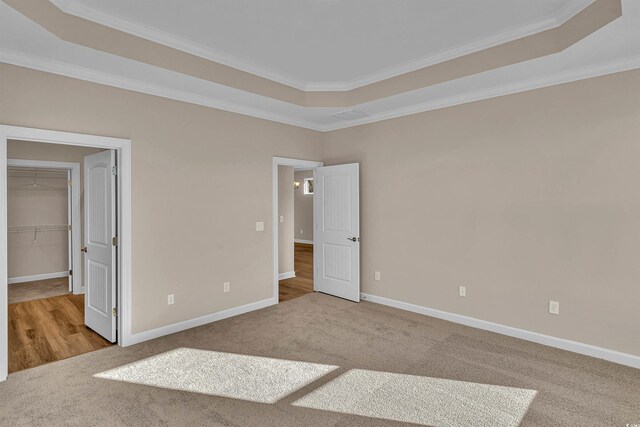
251	36
316	43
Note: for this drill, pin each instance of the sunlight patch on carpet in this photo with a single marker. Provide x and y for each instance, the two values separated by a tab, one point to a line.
420	400
237	376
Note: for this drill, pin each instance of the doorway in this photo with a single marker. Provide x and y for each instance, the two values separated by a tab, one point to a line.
293	227
295	232
60	330
46	225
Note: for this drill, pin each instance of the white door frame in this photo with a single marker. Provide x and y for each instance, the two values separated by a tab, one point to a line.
74	212
282	161
123	150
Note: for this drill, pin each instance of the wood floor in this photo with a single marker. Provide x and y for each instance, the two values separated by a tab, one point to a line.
47	330
38	289
302	284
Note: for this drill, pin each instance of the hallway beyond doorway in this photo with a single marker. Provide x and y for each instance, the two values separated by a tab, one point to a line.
302	284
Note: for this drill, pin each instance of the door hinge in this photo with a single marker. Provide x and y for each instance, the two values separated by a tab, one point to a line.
114	311
114	241
69	227
70	272
114	171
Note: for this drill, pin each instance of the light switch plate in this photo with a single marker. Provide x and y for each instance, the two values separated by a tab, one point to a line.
259	226
376	275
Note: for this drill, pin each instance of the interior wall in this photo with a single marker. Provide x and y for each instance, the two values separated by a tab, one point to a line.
303	210
286	213
29	150
522	199
26	205
201	180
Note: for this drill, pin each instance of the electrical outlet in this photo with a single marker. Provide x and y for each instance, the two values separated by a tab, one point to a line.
376	275
170	299
227	286
281	218
259	226
554	307
462	291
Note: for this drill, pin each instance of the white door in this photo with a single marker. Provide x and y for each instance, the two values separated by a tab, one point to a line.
336	247
100	251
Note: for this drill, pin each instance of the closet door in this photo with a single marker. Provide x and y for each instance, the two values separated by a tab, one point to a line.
100	249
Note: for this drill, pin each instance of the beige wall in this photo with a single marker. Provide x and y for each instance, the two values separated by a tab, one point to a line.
303	208
285	228
28	150
49	253
522	199
193	221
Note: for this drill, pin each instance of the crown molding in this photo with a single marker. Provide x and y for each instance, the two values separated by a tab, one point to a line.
85	74
582	73
565	13
173	41
81	73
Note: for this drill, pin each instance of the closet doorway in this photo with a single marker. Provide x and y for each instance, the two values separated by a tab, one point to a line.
43	206
45	238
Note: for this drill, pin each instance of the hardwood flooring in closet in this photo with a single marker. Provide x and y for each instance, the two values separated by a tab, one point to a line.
47	330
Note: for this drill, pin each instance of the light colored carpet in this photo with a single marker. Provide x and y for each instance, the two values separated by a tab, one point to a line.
27	291
572	390
256	379
421	400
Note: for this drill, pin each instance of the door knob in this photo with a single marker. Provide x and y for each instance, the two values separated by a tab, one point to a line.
84	250
353	239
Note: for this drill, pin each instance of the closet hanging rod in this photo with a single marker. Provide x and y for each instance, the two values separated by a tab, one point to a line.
41	227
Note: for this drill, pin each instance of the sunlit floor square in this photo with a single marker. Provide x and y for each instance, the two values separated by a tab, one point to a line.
421	400
252	378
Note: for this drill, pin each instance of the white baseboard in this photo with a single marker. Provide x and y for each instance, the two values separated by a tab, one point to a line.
198	321
308	242
561	343
287	275
23	279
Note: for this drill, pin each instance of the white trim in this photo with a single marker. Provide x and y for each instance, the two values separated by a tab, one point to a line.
199	321
616	66
282	161
306	242
93	76
597	70
77	283
123	147
35	277
287	275
561	343
110	20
